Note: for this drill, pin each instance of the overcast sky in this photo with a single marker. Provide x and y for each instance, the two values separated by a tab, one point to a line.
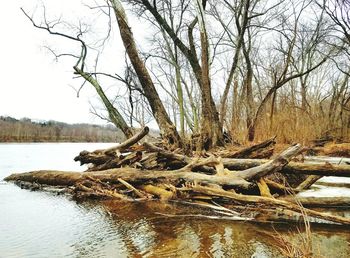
32	84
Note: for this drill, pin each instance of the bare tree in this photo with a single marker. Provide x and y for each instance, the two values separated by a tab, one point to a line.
80	66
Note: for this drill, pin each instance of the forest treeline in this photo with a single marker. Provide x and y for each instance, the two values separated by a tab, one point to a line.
26	130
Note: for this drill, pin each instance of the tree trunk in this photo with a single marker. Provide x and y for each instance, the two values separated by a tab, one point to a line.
167	129
132	176
292	167
113	113
211	130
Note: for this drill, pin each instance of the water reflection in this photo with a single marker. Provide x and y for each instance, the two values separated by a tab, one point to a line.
149	235
38	224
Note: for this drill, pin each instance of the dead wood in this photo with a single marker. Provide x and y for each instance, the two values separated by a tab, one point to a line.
319	201
161	192
131	175
167	154
332	150
269	167
308	182
292	167
129	186
263	188
279	187
270	202
254	150
149	172
103	156
129	142
172	159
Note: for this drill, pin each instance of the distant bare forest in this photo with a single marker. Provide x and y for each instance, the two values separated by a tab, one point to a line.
26	130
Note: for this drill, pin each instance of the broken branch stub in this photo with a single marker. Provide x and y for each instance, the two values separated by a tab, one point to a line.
272	166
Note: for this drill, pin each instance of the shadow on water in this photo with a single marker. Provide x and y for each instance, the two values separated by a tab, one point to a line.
157	229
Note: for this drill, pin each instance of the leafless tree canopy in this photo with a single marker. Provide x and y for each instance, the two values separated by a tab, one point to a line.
210	72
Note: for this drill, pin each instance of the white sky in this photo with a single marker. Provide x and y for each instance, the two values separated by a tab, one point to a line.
32	84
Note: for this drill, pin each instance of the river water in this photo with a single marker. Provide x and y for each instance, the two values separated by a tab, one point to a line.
39	224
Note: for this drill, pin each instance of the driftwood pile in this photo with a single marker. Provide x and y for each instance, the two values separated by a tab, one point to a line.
235	184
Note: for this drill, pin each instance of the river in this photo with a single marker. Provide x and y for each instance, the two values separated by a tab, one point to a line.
40	224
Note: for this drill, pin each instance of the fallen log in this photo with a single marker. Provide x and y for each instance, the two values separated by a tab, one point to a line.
271	166
334	184
102	156
167	154
269	201
292	167
131	175
308	182
332	149
319	201
129	142
279	187
317	169
174	159
252	150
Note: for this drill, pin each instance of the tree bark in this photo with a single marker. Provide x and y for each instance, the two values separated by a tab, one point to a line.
269	201
98	157
271	166
167	129
319	201
113	113
133	176
245	152
211	128
292	167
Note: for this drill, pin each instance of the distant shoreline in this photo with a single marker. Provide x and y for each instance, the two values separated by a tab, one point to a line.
68	141
27	130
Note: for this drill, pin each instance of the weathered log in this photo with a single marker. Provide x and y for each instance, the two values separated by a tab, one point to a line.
263	188
317	169
118	162
269	201
246	152
129	142
262	154
334	184
279	187
292	167
272	166
308	182
131	175
129	186
167	154
333	150
175	159
326	159
102	156
250	174
319	201
158	191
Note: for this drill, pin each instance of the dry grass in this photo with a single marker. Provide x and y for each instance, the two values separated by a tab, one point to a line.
292	124
338	150
299	244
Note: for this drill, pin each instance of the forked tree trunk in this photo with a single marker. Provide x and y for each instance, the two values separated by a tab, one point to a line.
167	128
211	127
